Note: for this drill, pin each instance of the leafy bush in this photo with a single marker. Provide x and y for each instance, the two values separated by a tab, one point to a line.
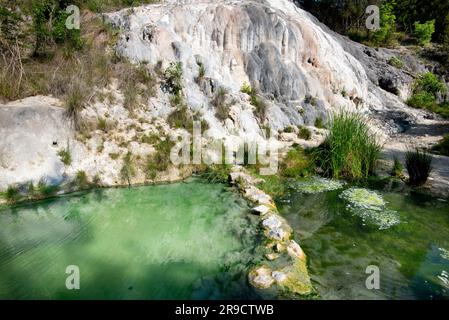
425	92
429	82
350	150
396	62
422	100
424	31
12	194
159	161
304	133
419	166
443	146
65	156
49	19
386	35
173	78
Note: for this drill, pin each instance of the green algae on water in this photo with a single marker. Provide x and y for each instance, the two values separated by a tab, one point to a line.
371	207
317	185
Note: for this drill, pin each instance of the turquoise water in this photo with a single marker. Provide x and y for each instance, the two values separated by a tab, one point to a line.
182	241
412	256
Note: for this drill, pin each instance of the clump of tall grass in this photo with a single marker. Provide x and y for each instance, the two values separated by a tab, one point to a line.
350	150
419	166
12	194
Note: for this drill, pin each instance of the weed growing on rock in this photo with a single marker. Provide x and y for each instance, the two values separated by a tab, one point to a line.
304	133
65	156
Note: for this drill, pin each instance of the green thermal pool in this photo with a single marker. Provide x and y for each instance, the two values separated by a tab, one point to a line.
182	241
412	256
196	240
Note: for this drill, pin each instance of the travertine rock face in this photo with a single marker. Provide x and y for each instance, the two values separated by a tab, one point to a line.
271	44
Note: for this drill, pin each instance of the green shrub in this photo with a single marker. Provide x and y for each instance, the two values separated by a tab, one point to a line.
289	129
246	88
45	190
424	31
260	106
160	160
304	133
422	100
429	82
419	166
425	92
12	194
443	146
349	150
65	156
386	35
49	19
217	173
295	164
396	62
173	78
181	118
81	180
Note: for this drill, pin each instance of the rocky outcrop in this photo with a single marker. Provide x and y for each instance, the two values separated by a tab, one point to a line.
285	262
275	46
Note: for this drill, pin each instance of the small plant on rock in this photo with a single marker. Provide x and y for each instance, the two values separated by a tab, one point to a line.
65	156
304	133
397	169
81	180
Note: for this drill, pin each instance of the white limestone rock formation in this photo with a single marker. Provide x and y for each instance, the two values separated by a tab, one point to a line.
275	46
